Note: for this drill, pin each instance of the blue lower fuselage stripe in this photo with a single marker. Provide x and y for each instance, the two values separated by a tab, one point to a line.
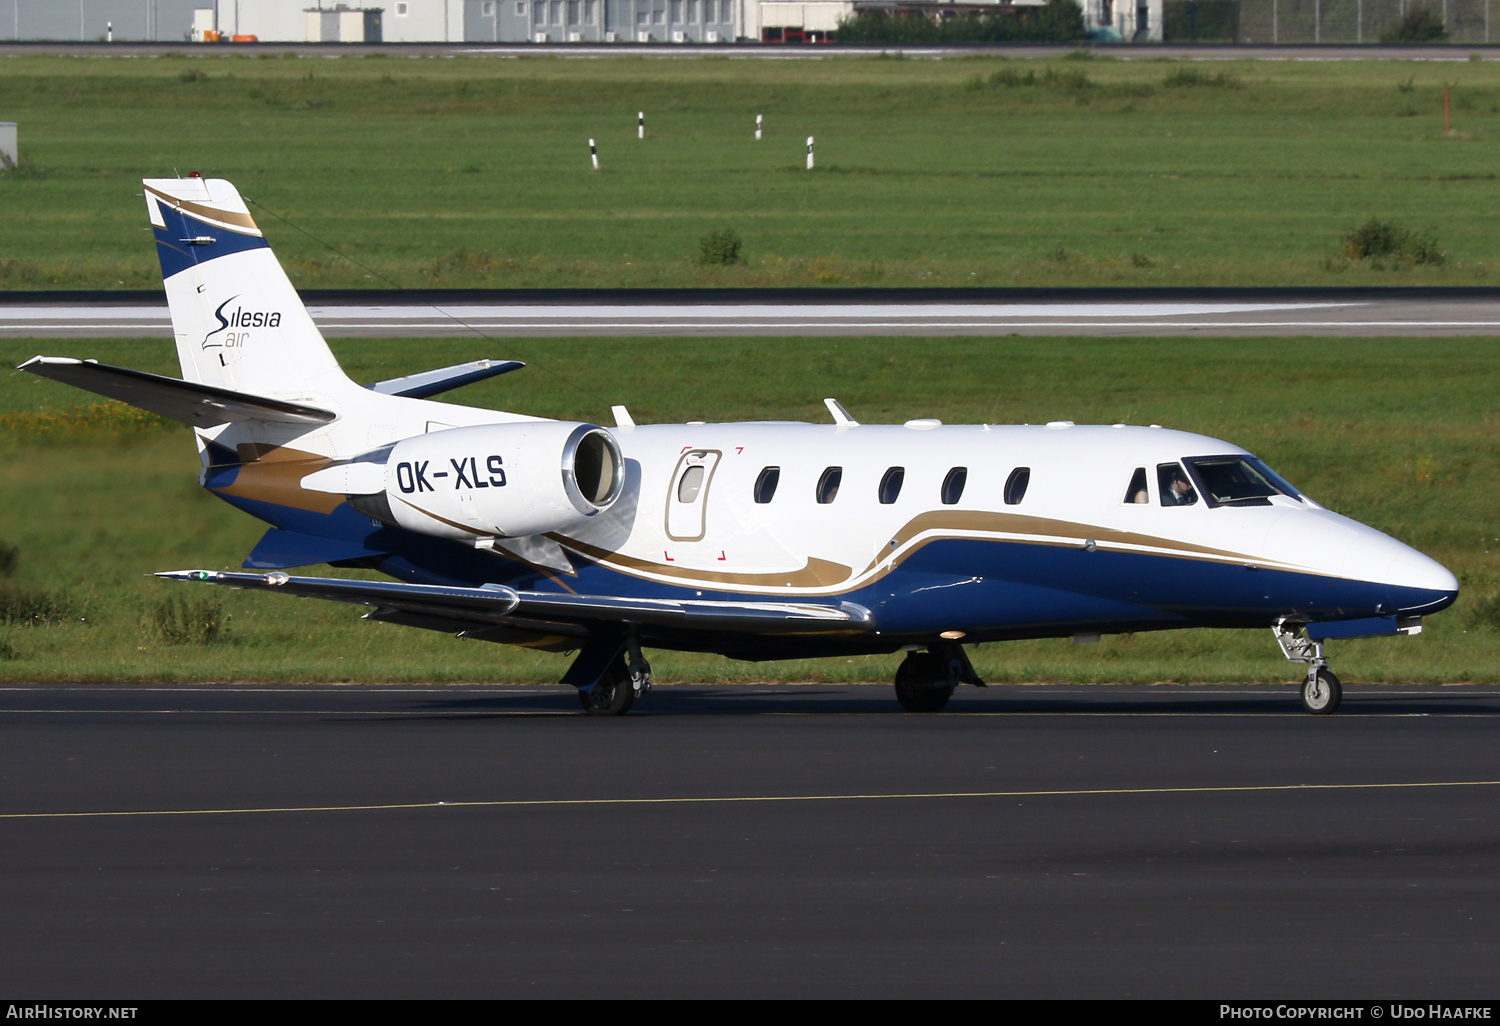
986	588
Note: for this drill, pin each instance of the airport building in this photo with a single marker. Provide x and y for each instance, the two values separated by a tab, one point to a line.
559	21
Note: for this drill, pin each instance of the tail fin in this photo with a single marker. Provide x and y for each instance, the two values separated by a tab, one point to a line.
238	321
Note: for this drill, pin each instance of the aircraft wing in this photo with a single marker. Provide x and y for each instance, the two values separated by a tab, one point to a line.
496	604
203	406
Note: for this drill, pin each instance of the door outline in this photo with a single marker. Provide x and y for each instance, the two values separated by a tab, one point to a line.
709	458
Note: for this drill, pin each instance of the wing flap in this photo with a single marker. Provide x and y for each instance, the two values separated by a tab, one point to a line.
204	406
494	603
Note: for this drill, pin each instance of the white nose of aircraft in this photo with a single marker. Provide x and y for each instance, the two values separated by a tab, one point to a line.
1326	543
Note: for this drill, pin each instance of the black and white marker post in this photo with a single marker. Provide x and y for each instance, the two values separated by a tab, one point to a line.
640	125
757	126
809	153
594	154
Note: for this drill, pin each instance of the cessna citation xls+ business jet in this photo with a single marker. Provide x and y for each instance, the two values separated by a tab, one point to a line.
756	540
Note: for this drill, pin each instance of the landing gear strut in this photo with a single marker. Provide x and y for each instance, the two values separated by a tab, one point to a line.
628	678
1321	691
926	680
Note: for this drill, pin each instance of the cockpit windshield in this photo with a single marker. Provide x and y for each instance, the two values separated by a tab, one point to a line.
1238	481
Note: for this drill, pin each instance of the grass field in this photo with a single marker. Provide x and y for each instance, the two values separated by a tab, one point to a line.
475	172
1400	434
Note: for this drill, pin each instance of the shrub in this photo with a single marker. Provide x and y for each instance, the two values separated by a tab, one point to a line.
720	247
1060	21
1190	77
1201	20
1421	25
181	621
27	606
1377	239
10	558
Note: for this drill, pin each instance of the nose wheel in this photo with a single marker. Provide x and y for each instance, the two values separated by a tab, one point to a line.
1321	691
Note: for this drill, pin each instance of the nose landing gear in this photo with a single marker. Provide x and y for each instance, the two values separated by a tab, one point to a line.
1321	691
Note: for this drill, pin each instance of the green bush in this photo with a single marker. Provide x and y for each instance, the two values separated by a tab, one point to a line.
1378	240
1421	25
1060	21
1188	77
720	247
179	621
10	558
1216	21
27	606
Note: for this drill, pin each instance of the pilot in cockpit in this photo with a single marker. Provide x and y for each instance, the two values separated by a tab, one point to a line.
1176	489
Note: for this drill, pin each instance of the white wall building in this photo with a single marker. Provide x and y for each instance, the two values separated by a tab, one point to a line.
624	21
307	21
1132	21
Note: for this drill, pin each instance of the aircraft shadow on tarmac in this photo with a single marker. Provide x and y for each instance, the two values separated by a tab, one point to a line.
832	700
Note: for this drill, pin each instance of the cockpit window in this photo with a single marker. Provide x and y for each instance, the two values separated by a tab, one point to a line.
1136	493
1173	484
1238	481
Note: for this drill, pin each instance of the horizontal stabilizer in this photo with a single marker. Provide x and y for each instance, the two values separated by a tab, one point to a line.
203	406
494	603
444	379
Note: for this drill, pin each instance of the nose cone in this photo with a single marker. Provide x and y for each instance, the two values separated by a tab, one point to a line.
1422	585
1325	543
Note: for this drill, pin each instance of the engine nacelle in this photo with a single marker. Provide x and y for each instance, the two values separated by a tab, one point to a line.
508	480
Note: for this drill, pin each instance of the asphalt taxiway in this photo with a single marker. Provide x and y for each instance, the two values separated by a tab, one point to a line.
785	312
1100	841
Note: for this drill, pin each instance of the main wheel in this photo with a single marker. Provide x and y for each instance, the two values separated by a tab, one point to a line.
1321	693
922	684
613	695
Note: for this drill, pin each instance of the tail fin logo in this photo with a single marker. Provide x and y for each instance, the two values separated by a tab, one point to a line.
239	318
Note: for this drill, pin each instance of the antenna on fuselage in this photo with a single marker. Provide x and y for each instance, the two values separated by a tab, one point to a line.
840	415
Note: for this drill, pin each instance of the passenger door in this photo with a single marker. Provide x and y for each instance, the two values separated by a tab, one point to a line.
687	499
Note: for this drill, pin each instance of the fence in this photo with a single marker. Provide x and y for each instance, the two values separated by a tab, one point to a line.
1358	21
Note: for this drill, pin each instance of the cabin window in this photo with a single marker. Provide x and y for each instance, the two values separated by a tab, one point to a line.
690	484
953	485
1015	485
828	484
1173	484
402	10
1136	494
890	485
1238	481
765	485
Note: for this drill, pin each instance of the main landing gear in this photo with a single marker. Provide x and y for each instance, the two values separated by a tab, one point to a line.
926	680
1321	691
627	678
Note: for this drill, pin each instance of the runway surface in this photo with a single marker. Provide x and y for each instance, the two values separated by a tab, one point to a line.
1111	312
1209	842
